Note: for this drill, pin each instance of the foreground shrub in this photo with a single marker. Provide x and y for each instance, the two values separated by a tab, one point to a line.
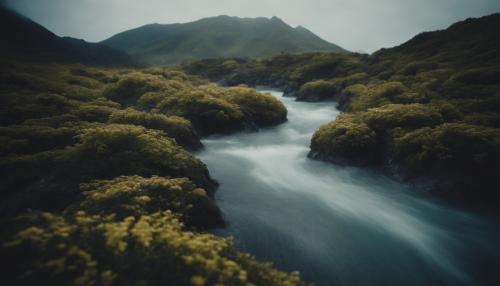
136	196
49	180
145	250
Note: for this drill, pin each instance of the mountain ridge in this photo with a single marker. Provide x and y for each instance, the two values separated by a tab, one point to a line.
25	39
214	37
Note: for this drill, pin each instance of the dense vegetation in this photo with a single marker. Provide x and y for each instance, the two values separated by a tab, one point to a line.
98	186
428	109
215	37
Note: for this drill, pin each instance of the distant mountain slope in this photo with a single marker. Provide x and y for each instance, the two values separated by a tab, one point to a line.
472	42
221	36
23	38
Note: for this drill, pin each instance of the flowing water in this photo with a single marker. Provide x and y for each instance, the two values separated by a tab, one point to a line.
340	225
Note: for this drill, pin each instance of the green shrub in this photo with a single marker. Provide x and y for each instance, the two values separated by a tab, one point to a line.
360	138
176	127
131	87
31	139
450	146
318	90
17	106
490	119
263	108
150	100
152	249
376	95
323	65
108	151
93	112
136	196
481	76
207	113
99	75
347	139
413	68
351	79
409	116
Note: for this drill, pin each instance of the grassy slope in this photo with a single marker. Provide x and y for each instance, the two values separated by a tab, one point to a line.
428	109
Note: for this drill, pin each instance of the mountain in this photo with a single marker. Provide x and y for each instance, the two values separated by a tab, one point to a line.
472	42
25	39
221	36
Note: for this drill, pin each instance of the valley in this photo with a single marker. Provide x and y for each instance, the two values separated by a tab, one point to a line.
245	151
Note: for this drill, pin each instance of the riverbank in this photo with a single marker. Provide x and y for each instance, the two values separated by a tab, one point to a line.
339	225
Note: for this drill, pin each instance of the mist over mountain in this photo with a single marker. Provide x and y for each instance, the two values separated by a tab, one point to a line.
221	36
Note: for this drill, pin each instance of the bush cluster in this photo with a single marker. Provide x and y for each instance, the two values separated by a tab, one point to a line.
97	186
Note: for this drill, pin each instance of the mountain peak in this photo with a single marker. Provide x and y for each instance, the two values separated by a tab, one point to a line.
216	37
276	19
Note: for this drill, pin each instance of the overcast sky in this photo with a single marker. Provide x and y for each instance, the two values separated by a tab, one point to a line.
365	25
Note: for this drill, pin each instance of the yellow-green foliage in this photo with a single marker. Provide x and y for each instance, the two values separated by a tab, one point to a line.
346	138
208	113
490	119
112	150
451	146
355	78
415	67
409	116
151	249
93	111
356	137
323	65
64	133
263	108
136	196
30	139
50	108
319	89
174	126
212	109
63	126
376	95
131	87
330	89
18	106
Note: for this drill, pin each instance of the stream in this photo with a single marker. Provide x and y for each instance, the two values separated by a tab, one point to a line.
340	225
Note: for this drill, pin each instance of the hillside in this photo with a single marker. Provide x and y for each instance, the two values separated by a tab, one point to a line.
427	111
25	39
221	36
